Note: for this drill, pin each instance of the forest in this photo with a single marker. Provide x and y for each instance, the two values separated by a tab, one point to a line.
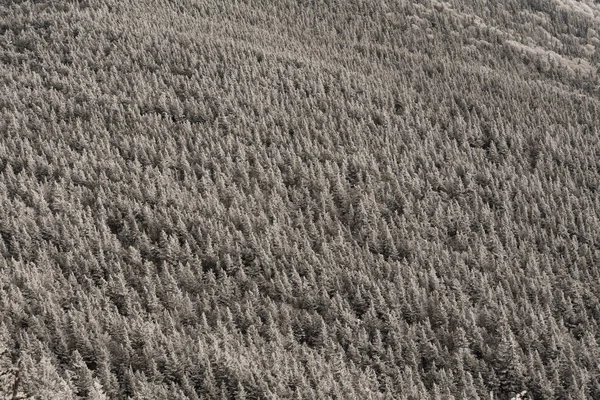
299	199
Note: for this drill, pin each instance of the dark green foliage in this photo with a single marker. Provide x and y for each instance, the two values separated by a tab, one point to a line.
300	200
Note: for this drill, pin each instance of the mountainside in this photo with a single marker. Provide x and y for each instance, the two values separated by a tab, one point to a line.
297	199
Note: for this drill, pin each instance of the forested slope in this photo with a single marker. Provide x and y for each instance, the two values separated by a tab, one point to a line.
292	199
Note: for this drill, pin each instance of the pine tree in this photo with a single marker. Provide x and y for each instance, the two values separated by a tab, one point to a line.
96	392
11	376
84	380
240	392
42	379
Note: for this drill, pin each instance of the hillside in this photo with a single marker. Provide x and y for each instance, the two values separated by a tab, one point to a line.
297	199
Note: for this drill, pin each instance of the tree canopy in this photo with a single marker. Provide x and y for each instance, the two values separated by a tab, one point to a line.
299	199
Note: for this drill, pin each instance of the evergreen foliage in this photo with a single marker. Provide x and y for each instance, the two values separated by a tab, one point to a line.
300	200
